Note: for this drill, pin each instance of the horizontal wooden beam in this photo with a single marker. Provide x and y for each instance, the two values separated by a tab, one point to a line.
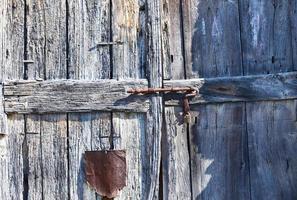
73	96
107	95
239	89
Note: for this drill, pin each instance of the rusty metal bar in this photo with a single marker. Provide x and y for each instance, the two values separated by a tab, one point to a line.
157	90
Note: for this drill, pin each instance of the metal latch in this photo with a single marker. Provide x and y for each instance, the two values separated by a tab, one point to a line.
188	93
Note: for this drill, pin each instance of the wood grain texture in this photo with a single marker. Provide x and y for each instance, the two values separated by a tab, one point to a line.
12	129
211	38
15	160
238	89
73	96
12	39
54	156
152	154
89	26
266	33
175	157
46	46
89	59
125	30
272	137
128	133
46	39
220	168
87	132
33	162
172	40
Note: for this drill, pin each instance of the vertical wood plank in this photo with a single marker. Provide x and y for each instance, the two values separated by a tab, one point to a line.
266	32
172	40
12	129
33	162
89	58
293	17
80	140
175	151
219	153
212	39
154	70
176	158
272	148
46	47
89	27
54	156
128	133
15	156
129	128
125	28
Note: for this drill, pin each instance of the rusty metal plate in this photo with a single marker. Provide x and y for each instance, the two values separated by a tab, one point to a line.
106	171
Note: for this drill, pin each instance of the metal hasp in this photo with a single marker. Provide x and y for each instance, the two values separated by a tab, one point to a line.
188	93
106	171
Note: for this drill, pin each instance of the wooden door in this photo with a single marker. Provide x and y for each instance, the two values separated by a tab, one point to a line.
66	66
241	143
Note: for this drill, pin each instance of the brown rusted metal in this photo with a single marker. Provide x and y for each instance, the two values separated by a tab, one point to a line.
106	171
157	90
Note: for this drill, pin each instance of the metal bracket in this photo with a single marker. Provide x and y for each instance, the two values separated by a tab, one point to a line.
189	92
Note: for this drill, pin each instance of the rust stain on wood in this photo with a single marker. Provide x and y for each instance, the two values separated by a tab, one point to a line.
106	171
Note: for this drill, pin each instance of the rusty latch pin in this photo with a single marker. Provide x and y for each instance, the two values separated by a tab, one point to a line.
190	92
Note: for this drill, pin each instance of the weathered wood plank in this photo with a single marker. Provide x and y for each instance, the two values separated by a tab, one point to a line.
128	134
125	27
89	26
293	18
152	153
91	95
32	161
46	39
54	156
212	39
12	39
172	40
15	159
219	162
80	140
12	129
272	141
266	33
175	157
72	96
47	47
89	58
240	89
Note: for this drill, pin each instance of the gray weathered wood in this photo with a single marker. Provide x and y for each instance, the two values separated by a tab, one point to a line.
220	168
212	38
77	96
33	161
80	140
152	153
266	34
12	129
125	27
175	156
89	25
240	88
272	141
89	59
72	96
172	40
46	37
128	133
54	156
15	159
